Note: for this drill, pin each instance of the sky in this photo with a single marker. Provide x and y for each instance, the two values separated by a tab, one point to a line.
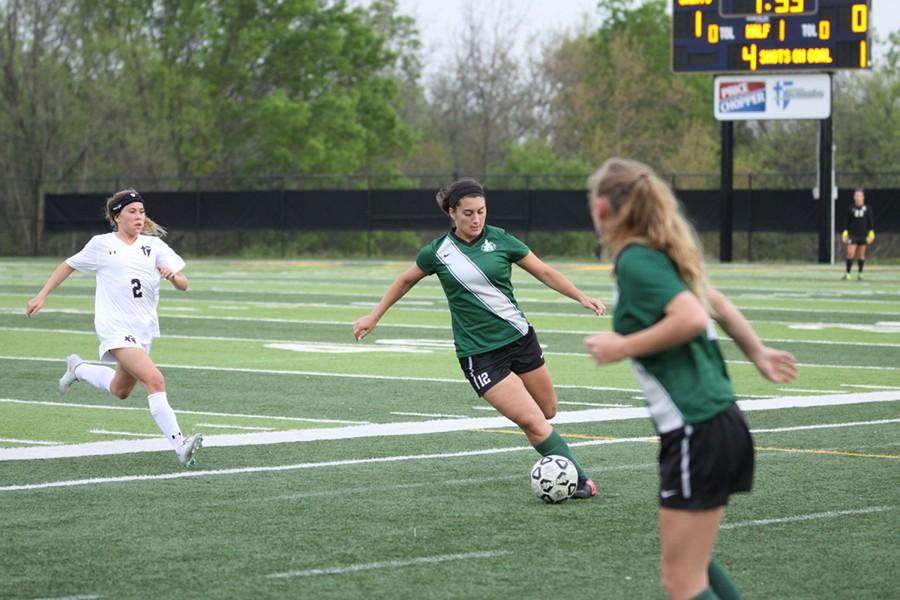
439	19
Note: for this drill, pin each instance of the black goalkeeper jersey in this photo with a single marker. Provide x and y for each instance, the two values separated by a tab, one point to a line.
859	221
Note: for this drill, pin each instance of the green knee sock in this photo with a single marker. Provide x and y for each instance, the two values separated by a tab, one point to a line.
554	444
707	594
720	581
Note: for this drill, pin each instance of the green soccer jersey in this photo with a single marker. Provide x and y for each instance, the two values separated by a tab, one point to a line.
476	279
685	384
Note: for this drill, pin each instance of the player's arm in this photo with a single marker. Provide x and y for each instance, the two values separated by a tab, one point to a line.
870	226
178	280
555	280
364	325
775	365
57	277
684	318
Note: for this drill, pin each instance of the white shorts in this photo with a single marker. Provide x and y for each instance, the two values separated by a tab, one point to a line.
120	341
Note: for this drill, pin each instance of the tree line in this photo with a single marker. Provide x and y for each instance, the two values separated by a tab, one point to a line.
97	93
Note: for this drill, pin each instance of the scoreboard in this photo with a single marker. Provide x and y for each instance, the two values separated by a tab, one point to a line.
759	36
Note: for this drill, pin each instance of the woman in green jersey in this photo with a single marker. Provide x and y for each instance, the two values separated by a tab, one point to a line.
662	324
497	348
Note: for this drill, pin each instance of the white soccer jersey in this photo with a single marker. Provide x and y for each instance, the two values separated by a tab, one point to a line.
127	283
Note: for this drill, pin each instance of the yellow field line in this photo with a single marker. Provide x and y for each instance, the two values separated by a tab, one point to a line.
829	452
581	436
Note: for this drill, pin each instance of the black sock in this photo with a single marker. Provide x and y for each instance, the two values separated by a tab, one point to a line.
849	264
861	264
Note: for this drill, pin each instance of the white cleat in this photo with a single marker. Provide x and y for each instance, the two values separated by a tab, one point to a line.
187	451
68	379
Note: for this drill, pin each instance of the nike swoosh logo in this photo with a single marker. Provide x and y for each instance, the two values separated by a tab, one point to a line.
668	493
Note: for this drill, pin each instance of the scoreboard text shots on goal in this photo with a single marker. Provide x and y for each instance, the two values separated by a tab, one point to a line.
728	36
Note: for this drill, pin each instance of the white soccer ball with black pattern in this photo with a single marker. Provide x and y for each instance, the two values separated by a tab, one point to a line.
554	478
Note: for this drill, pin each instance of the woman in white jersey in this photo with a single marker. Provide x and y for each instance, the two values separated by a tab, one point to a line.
497	348
129	263
662	323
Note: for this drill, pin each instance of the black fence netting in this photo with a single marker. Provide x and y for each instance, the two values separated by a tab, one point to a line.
789	211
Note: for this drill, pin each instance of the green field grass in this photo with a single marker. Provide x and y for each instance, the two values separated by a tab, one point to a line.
337	469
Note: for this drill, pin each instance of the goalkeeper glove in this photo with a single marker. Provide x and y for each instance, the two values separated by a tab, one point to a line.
844	236
871	237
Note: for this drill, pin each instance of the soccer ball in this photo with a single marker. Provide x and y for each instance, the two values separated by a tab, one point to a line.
554	478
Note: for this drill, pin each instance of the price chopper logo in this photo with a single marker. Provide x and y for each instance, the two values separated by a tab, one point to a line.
742	96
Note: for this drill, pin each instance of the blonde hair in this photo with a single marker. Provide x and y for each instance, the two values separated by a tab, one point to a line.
645	211
150	227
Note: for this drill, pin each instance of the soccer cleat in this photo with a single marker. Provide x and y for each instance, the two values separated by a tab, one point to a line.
187	451
859	277
846	277
585	489
68	379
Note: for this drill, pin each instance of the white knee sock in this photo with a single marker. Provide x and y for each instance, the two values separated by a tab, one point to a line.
96	375
165	417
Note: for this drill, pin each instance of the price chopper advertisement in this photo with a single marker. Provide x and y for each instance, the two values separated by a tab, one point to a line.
765	97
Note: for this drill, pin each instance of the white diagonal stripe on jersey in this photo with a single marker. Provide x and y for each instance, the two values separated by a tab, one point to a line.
476	282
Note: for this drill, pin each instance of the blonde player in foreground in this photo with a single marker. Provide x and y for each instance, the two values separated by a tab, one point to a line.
662	324
129	263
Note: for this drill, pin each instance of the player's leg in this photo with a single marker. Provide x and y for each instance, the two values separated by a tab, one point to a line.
517	399
687	538
513	401
136	364
99	376
851	255
861	258
540	386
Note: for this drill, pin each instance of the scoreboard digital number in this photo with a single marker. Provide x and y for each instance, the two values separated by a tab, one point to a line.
759	36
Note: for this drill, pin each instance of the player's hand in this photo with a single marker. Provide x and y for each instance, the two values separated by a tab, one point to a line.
166	273
33	306
871	237
844	236
364	326
776	365
606	347
594	305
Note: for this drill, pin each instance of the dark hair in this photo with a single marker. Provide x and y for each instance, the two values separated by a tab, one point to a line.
450	196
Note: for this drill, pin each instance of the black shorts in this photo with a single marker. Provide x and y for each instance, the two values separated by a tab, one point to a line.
484	371
701	464
857	241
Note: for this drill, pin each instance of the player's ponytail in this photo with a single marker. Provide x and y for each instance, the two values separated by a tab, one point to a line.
644	210
119	200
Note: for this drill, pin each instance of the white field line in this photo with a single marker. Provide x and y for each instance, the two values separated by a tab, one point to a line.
125	433
79	597
809	391
172	303
390	564
812	516
594	404
186	412
30	442
220	426
871	387
414	428
293	467
433	415
372	489
459	380
826	426
442	327
182	474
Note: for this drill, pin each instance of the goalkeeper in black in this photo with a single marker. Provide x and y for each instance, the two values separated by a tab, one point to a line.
858	233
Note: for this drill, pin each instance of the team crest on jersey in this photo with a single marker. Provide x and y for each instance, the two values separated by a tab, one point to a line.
859	212
130	338
146	250
488	246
